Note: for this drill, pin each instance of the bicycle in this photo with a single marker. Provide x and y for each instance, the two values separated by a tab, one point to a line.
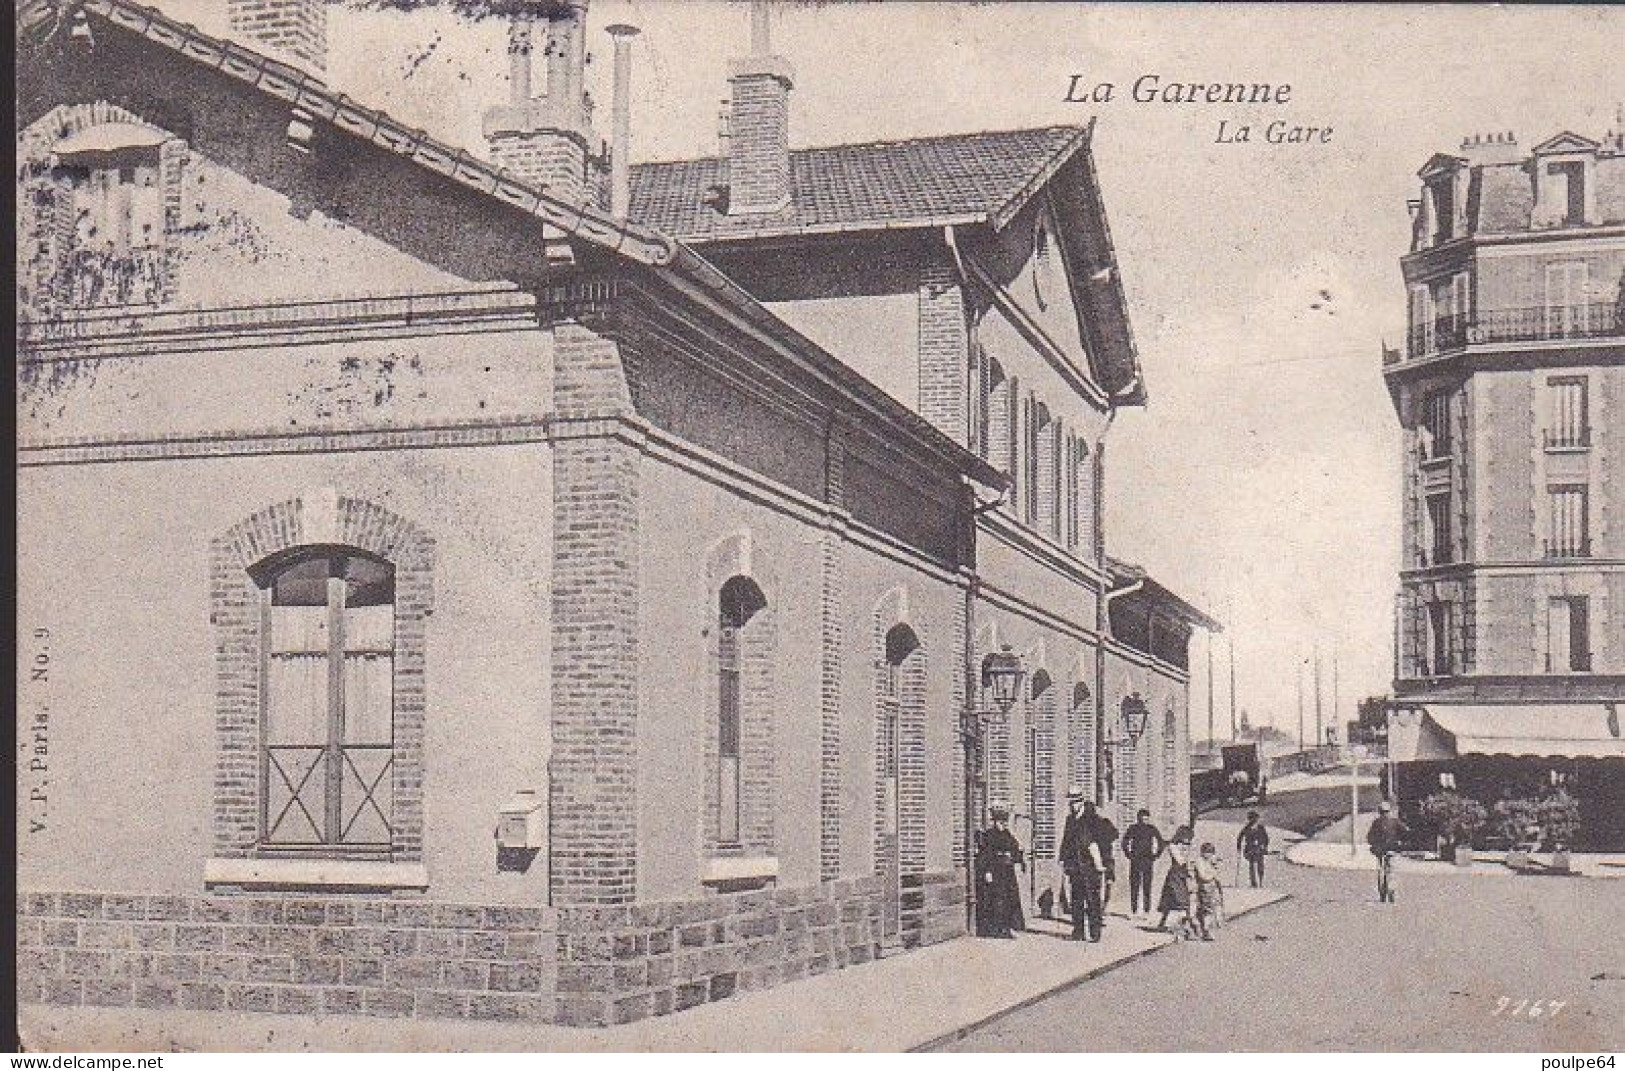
1385	877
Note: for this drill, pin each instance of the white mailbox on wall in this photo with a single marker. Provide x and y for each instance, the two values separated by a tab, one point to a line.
522	821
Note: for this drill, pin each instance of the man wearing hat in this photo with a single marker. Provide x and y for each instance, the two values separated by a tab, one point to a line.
1385	837
998	894
1253	842
1085	867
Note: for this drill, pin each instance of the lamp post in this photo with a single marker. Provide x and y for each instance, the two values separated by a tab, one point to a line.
1000	681
1136	716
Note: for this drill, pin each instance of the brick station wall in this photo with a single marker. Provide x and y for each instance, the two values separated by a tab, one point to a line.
288	954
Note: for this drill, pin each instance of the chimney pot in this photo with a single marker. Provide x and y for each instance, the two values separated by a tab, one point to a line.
620	162
291	31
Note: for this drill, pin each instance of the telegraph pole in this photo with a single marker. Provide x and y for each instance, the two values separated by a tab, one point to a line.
1320	732
1299	676
1209	646
1336	698
1233	688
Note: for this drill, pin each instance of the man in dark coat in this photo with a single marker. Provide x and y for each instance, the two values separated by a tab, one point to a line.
998	894
1105	835
1085	867
1142	843
1386	836
1253	842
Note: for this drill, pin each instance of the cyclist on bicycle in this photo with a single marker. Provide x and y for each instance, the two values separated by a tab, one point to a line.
1384	838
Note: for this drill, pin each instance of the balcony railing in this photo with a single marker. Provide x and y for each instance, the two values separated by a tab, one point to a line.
1567	438
1564	548
1541	323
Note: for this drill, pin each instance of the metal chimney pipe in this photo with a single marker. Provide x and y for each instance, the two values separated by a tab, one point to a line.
620	163
576	87
519	45
760	29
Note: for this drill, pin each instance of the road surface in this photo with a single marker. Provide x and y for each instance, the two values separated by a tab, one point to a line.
1443	969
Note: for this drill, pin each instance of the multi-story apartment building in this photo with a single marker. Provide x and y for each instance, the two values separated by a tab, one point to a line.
1510	630
374	496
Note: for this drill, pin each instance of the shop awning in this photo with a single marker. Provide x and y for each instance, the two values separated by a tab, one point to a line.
1440	731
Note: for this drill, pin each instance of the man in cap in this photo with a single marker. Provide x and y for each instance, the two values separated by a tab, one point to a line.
1142	843
1253	842
1385	837
998	894
1085	867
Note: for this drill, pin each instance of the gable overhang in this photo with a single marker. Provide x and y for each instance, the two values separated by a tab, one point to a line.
468	217
1073	191
1441	163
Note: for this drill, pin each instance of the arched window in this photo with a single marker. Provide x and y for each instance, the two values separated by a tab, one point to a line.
738	603
1041	785
328	658
1080	741
1170	764
1039	491
996	423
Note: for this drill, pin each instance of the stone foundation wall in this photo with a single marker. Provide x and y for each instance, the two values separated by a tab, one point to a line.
366	955
933	907
289	954
619	964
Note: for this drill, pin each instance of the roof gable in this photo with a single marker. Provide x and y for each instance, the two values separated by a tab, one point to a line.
1567	141
1440	163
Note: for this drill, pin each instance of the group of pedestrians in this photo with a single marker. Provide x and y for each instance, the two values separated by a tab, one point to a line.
1192	893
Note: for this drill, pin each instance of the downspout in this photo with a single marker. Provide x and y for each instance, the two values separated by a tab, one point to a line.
1102	600
970	720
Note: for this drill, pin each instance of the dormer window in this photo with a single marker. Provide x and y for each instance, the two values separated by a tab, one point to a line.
1565	186
1442	191
1569	189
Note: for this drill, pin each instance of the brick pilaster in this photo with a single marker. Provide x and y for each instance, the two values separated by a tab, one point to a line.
944	352
831	603
593	778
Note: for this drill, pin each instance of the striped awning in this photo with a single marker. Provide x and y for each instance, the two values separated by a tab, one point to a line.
1441	731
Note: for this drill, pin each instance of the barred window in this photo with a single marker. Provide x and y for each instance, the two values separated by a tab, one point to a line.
1569	509
1440	546
738	604
328	745
1436	438
1568	417
1441	639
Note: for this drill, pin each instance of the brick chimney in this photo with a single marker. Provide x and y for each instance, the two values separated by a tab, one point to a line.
544	140
1497	148
758	145
293	31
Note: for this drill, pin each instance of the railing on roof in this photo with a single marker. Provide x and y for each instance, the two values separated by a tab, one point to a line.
1541	323
115	321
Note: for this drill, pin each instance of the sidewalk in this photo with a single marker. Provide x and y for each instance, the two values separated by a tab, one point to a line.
1330	849
905	1002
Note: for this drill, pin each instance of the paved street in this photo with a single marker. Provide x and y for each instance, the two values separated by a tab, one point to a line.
1332	969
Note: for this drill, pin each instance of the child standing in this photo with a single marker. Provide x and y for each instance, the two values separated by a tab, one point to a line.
1209	891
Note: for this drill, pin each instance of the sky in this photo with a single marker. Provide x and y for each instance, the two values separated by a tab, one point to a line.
1261	481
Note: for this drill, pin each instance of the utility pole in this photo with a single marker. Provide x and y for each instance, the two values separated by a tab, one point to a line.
1320	732
1337	723
1232	688
1209	646
1299	676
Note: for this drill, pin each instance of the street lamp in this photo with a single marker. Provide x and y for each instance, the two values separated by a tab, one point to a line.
1001	676
1136	717
1001	680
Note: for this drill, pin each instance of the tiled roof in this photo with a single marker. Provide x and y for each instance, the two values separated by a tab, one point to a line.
886	184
